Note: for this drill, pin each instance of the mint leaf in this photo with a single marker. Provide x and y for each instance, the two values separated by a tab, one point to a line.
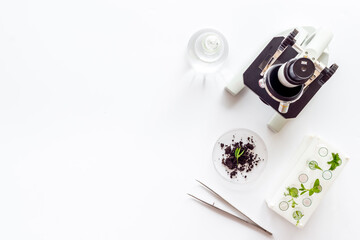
294	192
315	189
335	162
317	183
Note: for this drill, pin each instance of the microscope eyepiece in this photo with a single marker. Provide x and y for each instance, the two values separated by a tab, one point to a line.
296	72
285	82
302	69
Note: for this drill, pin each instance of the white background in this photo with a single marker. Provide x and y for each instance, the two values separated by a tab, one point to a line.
103	129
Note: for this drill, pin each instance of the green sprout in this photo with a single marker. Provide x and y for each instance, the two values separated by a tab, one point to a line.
293	193
297	215
335	162
314	165
315	189
238	154
293	203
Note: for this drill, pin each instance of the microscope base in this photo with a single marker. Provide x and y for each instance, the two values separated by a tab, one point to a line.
235	85
277	122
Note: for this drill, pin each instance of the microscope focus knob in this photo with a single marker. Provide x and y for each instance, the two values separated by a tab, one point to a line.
289	40
328	72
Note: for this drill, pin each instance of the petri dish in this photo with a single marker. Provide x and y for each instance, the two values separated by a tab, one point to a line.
247	171
327	174
307	202
297	215
207	50
283	205
303	178
313	165
323	151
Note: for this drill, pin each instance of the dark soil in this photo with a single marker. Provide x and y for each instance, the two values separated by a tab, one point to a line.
245	163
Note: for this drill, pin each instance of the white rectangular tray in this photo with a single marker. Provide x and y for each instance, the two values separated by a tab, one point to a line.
298	197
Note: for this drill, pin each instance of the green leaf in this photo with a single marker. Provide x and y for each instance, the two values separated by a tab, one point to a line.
317	167
311	192
316	190
335	162
237	150
333	166
302	193
317	183
294	192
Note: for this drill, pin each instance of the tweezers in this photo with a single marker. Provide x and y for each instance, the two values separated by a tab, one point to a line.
249	221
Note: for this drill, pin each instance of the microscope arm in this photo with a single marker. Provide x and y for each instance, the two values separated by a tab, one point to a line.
277	122
317	45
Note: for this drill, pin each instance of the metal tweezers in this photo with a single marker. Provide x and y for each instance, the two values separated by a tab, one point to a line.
249	221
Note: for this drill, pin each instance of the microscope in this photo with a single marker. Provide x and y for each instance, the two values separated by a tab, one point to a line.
288	72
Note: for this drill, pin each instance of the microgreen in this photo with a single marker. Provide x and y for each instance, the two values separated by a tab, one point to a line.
297	215
335	162
314	165
293	203
293	193
315	189
238	154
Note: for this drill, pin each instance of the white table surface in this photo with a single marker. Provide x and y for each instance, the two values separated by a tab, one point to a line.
103	129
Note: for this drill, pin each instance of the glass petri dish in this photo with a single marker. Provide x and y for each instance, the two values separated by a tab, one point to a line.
327	174
283	205
303	177
313	165
307	202
231	138
207	50
297	215
323	151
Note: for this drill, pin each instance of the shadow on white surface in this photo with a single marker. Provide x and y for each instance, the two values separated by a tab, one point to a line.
229	100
